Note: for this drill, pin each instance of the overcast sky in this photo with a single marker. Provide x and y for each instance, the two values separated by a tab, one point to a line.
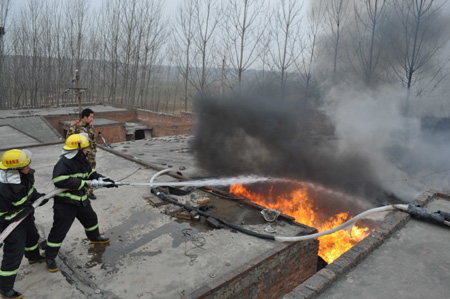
15	5
170	5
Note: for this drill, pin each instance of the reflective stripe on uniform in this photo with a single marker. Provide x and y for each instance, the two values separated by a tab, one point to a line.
60	178
50	244
8	273
31	248
72	196
91	228
9	217
24	199
65	177
82	185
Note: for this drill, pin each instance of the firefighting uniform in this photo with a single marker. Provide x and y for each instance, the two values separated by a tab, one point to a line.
15	204
73	203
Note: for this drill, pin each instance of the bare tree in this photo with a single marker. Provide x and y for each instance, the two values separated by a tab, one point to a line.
48	48
4	7
243	32
95	54
370	39
286	46
111	32
309	55
29	38
154	38
420	37
184	39
132	19
208	17
337	13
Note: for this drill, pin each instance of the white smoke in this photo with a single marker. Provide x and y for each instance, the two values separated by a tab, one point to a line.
371	123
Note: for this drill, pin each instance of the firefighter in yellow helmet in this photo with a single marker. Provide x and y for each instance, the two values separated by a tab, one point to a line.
71	172
17	194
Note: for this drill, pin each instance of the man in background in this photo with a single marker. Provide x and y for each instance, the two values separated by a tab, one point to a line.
84	125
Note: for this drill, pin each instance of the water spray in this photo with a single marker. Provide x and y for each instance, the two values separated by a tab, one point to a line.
251	179
442	218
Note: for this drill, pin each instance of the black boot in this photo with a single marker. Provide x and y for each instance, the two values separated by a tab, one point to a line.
38	259
51	265
100	240
10	294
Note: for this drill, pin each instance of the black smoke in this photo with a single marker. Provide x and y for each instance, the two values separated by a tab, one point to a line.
258	133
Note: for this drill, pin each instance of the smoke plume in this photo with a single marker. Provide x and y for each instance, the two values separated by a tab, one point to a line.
358	142
357	139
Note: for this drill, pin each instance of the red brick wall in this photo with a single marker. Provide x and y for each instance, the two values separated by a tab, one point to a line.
55	119
166	124
163	124
126	115
271	275
112	133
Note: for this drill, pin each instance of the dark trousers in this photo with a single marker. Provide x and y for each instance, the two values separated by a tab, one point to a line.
24	235
63	216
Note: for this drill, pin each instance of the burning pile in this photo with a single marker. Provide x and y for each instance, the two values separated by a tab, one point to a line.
300	205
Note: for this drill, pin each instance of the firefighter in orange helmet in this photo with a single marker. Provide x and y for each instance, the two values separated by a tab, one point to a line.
17	194
71	172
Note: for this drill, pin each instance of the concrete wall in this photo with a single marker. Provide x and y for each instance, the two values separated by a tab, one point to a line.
271	275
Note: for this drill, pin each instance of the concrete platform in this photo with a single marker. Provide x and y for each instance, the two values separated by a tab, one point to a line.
151	254
13	137
155	255
166	152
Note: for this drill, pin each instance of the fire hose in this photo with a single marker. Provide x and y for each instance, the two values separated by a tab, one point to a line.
412	210
5	233
440	217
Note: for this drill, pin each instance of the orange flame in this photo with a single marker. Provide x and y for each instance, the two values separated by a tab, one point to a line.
298	205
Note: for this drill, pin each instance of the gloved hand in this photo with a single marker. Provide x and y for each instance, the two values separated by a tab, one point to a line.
112	183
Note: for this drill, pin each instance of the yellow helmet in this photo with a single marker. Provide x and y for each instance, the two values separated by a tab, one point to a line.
15	159
76	141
